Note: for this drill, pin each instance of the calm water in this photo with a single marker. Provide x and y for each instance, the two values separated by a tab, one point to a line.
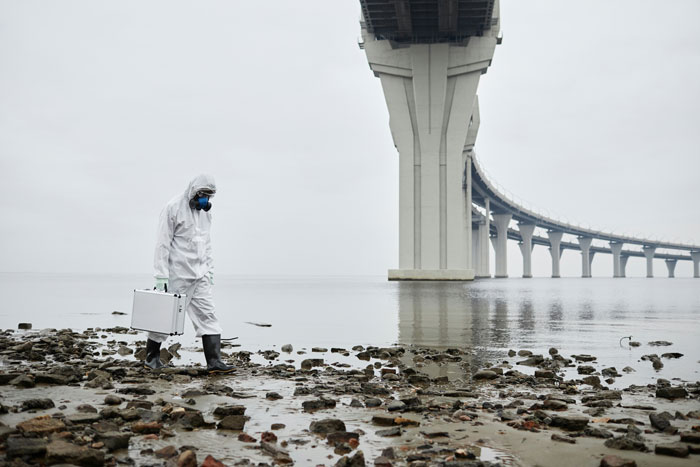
489	316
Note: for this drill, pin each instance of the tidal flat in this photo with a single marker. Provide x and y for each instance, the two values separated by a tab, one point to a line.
84	398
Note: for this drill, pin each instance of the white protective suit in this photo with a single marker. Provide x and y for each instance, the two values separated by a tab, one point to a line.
183	256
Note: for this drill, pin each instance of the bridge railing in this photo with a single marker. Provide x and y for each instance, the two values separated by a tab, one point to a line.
517	204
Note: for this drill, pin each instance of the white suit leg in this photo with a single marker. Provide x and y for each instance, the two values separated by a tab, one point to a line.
201	309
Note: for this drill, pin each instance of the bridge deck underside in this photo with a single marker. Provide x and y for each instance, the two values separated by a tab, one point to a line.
427	21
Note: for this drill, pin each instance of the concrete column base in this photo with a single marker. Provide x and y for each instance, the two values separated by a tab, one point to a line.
483	277
431	274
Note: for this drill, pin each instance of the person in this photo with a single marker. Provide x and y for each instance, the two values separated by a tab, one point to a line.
183	265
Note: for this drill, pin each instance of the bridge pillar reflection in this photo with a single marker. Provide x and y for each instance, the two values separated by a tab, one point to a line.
555	251
616	248
586	257
695	256
526	231
500	243
649	254
623	265
671	265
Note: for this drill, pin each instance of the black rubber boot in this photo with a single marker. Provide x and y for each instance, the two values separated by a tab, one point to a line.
153	355
212	353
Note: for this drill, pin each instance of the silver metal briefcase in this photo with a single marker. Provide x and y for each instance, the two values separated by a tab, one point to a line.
158	311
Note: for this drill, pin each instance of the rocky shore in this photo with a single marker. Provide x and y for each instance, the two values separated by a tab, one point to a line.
84	398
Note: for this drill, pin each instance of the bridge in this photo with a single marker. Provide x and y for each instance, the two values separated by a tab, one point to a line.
429	56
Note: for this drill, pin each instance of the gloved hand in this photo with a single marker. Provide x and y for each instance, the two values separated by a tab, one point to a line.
210	276
162	284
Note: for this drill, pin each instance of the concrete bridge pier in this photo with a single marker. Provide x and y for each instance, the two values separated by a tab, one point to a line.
586	257
671	265
555	251
526	231
616	248
430	92
500	243
590	263
649	254
484	266
623	265
695	256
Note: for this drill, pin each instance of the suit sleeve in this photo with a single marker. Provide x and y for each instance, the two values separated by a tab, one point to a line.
209	260
164	238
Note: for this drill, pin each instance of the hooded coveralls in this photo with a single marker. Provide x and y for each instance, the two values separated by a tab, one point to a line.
183	256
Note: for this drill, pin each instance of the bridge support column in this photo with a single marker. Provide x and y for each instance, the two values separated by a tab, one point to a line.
555	251
526	231
484	267
616	248
649	254
590	262
623	265
430	92
586	257
500	243
671	265
695	256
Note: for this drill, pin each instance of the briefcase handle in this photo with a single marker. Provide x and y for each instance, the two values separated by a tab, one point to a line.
165	288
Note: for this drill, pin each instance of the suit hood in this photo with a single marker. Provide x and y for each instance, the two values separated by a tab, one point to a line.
200	182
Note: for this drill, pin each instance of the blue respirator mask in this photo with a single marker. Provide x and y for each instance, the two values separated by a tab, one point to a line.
200	202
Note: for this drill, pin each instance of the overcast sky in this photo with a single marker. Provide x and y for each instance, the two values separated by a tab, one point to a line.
107	109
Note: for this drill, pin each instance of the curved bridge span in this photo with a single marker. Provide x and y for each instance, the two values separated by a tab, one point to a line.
504	211
429	56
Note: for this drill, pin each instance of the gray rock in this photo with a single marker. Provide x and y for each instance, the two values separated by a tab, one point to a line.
373	402
551	404
615	461
232	422
37	404
534	360
660	343
672	449
672	355
485	374
225	410
111	399
327	425
357	460
626	443
585	370
61	452
319	404
395	405
83	418
20	447
389	432
287	348
597	433
584	358
310	363
115	440
672	393
23	381
524	353
692	437
273	396
24	326
660	421
571	423
591	380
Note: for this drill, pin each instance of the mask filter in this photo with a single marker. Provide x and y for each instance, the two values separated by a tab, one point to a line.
200	203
